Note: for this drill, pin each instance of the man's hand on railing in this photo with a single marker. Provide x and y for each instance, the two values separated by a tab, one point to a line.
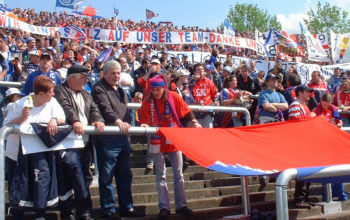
78	128
124	127
99	125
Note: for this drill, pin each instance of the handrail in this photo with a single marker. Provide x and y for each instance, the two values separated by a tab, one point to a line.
286	176
11	84
208	108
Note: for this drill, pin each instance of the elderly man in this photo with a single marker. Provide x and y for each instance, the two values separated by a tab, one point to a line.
80	110
113	151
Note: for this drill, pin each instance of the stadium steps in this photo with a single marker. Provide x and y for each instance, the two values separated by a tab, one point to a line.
210	194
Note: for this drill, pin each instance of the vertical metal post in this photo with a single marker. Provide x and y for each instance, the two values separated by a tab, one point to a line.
4	132
329	197
245	195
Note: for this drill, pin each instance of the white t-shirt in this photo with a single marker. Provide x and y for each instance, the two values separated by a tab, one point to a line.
41	114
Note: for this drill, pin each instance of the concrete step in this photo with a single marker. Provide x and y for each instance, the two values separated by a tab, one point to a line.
189	169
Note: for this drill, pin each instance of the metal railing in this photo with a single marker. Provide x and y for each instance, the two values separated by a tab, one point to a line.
114	130
286	176
11	84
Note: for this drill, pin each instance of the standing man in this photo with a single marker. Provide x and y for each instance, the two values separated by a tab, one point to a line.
270	102
45	69
204	92
113	151
335	80
299	110
80	110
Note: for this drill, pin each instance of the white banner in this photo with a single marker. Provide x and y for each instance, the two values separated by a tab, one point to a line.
315	50
340	47
138	37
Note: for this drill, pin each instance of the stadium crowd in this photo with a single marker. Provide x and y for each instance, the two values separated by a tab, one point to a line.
92	89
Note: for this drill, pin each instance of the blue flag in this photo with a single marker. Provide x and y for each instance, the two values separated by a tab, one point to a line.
103	57
5	8
67	3
228	28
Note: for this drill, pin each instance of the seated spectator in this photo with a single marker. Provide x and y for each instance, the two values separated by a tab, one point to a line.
271	103
342	100
230	96
331	114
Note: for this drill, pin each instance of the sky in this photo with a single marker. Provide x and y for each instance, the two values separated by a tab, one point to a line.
202	13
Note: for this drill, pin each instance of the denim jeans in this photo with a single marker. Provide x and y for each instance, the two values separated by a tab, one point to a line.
162	188
337	191
346	121
113	160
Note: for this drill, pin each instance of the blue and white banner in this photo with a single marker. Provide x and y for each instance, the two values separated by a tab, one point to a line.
68	3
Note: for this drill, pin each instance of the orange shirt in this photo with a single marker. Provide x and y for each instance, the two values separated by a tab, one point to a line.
182	110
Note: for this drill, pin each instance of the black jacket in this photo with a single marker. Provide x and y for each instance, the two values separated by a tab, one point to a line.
247	86
64	96
111	106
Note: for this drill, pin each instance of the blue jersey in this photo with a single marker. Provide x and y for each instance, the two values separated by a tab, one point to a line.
28	86
269	96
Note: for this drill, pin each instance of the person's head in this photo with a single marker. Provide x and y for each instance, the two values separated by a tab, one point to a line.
111	73
88	65
155	65
158	87
145	63
3	43
345	85
292	80
316	77
168	75
337	72
230	82
227	70
139	54
198	71
73	46
261	74
303	92
12	95
45	61
209	68
129	56
77	77
182	76
215	53
123	63
271	81
70	54
138	97
252	65
31	43
34	57
326	100
219	66
245	71
43	88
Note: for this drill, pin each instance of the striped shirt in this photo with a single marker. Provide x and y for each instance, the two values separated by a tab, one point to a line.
298	110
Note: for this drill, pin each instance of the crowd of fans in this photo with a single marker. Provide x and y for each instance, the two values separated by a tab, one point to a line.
121	73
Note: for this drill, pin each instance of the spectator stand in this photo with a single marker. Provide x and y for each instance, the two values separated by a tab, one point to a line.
109	130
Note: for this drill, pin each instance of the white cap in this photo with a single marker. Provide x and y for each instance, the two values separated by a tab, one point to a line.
183	72
228	69
155	61
34	52
12	91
